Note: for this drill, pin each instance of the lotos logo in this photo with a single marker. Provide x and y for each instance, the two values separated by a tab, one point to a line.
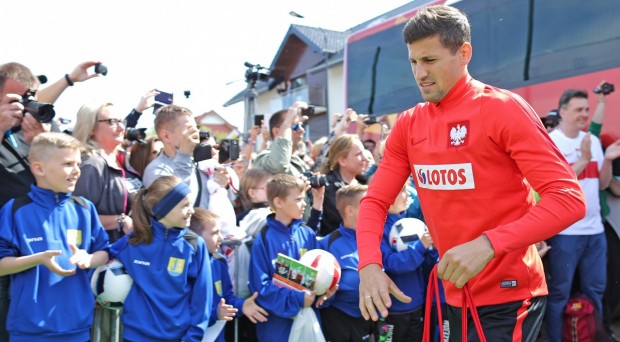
445	177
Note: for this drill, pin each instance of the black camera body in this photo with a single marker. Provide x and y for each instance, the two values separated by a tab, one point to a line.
204	135
135	134
43	112
605	89
202	152
316	181
101	69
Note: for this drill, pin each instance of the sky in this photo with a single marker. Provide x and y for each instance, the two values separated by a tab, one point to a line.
196	45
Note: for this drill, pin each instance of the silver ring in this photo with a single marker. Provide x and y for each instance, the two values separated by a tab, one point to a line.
367	297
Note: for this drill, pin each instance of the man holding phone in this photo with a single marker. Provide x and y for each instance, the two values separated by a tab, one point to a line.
279	158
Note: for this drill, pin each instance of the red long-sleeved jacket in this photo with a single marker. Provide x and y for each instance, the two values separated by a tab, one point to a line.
470	155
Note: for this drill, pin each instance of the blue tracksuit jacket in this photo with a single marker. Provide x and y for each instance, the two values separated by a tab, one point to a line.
281	303
46	306
222	288
405	268
171	296
344	249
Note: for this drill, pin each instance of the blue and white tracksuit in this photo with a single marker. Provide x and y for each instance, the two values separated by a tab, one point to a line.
281	303
222	288
171	296
44	305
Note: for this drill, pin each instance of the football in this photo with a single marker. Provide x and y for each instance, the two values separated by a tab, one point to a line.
328	268
405	231
111	284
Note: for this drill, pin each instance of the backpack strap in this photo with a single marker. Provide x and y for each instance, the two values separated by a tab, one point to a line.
191	237
79	200
20	202
333	237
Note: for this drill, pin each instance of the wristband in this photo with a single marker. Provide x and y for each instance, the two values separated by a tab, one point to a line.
250	142
68	79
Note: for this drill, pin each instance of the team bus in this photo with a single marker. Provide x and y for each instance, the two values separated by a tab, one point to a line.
536	48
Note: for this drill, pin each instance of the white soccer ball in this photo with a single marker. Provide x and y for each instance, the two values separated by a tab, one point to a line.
405	231
111	284
328	268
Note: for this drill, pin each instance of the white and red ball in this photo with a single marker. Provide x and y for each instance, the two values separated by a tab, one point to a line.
328	268
405	231
111	284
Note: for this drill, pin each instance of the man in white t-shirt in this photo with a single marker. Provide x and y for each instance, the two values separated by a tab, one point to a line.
581	248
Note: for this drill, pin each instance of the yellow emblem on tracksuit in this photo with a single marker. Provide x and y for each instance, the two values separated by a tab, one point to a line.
176	266
218	287
74	236
302	251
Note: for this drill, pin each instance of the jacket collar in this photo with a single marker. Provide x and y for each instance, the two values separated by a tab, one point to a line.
47	198
456	94
273	223
160	231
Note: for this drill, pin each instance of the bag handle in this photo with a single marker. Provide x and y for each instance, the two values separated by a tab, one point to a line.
467	303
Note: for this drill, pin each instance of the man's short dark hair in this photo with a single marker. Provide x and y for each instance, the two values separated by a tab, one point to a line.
17	72
570	94
276	120
448	22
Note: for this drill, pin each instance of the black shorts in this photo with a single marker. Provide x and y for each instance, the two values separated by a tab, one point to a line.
340	327
514	321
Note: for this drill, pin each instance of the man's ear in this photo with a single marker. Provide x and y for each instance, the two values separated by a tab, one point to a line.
465	52
36	167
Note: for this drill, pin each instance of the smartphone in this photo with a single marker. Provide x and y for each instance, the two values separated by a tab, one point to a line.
163	97
308	111
258	119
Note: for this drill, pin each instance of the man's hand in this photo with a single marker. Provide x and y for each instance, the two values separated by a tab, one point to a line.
11	112
375	290
48	258
427	240
146	101
253	311
80	73
191	138
80	257
327	295
33	127
613	150
463	262
225	311
584	149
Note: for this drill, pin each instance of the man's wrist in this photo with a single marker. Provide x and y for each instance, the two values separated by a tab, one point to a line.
69	81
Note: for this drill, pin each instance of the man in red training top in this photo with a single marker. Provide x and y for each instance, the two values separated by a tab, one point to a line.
470	148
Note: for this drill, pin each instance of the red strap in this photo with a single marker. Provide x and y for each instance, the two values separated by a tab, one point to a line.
468	303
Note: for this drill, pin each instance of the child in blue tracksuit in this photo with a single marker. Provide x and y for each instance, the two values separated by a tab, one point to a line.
171	296
286	234
225	305
405	269
341	315
48	241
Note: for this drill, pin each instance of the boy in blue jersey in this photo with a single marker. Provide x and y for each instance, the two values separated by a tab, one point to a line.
405	268
48	241
284	233
341	315
226	305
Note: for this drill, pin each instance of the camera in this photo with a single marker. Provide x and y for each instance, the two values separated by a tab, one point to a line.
229	150
41	111
202	152
605	89
101	69
307	111
135	134
316	181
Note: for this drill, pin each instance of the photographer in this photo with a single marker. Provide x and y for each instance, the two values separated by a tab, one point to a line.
345	165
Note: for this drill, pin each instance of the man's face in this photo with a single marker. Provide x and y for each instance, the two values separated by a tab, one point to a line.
575	113
12	86
436	69
60	170
175	130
